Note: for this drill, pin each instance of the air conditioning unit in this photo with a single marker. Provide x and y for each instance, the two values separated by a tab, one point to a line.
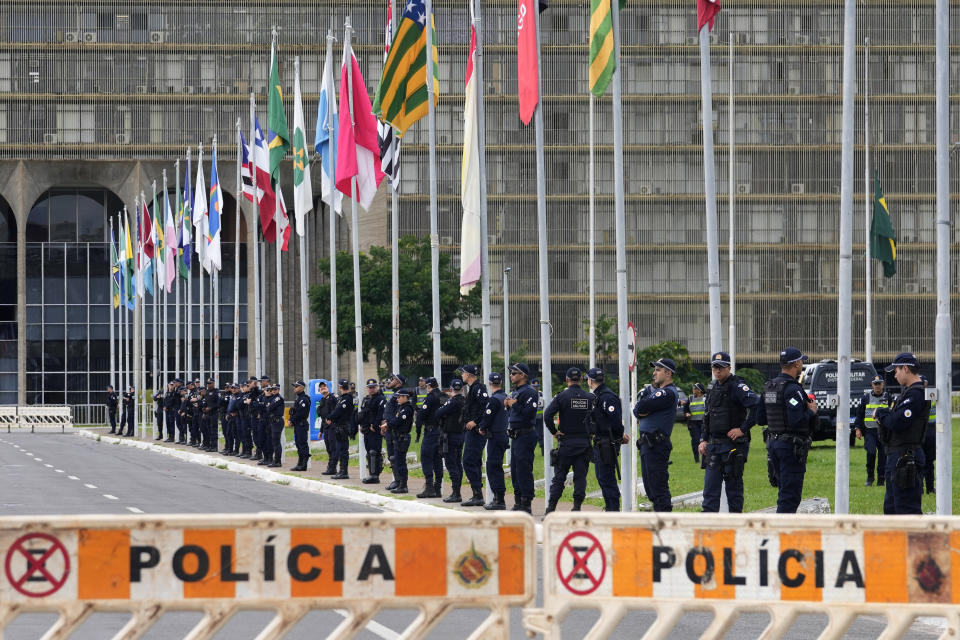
447	240
924	288
911	287
743	187
71	36
743	289
443	139
49	138
793	90
828	288
714	38
646	190
158	37
802	39
824	40
225	88
798	188
121	138
692	41
189	89
141	88
493	88
492	240
89	36
741	38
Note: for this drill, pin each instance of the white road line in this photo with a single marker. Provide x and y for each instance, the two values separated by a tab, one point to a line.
134	510
38	459
375	627
73	477
90	486
49	466
59	470
110	497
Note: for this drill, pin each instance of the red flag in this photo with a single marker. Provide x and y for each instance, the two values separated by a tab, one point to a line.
527	86
146	237
706	12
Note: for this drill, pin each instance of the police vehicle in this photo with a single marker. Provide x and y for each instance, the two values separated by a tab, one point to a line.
819	380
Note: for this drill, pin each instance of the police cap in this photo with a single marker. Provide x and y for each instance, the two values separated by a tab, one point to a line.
299	383
495	377
595	374
372	382
470	368
905	359
344	383
456	384
720	359
521	367
665	363
574	374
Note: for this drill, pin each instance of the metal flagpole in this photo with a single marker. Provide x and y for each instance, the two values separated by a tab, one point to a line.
176	283
124	329
546	377
628	451
357	325
943	328
164	347
395	242
277	243
334	355
484	235
113	355
731	268
506	325
188	321
845	272
215	300
137	328
710	193
434	215
868	303
304	305
155	320
591	269
255	274
236	263
201	250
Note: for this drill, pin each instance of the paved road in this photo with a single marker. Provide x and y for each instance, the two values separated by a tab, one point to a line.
55	474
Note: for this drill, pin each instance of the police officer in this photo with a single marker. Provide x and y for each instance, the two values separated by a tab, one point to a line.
694	408
473	442
573	405
243	422
608	434
231	428
431	459
394	383
725	439
184	412
171	406
126	418
656	410
194	411
226	423
788	414
212	415
273	411
112	401
299	416
902	429
158	412
521	427
930	446
535	383
369	419
339	423
261	427
400	424
866	429
493	427
452	438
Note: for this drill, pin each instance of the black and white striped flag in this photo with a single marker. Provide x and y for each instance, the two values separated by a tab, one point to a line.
387	139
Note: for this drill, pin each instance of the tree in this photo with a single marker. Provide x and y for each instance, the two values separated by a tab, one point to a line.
685	376
416	321
605	336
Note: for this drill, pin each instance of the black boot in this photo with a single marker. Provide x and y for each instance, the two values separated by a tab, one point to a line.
517	502
330	470
428	492
257	455
551	506
454	496
497	504
393	485
526	504
615	506
371	480
476	500
577	503
400	488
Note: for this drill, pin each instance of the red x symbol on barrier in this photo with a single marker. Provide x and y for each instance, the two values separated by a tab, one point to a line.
36	567
580	554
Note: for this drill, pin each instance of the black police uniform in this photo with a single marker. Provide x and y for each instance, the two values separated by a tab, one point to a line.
273	418
865	422
607	425
231	432
226	423
493	427
171	404
244	425
212	414
473	442
113	399
431	459
195	413
369	419
183	415
325	407
730	404
261	430
930	451
656	409
158	412
401	424
389	411
451	443
342	419
902	430
521	427
299	418
126	418
573	405
784	411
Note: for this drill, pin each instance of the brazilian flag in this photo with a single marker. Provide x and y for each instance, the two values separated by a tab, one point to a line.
883	241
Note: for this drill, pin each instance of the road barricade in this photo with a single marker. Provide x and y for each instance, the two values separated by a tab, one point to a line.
285	563
36	418
8	418
840	566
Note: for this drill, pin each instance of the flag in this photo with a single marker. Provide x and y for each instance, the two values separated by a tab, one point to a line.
186	248
282	221
246	168
883	241
302	189
401	96
160	247
327	113
278	133
389	143
358	154
470	180
199	210
602	62
114	270
145	248
129	272
267	202
528	88
211	257
706	12
170	259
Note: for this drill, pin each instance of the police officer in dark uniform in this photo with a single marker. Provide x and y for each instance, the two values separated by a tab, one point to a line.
325	406
171	406
369	419
126	418
452	438
231	431
535	383
902	428
184	412
725	438
112	401
431	459
299	417
194	413
521	427
243	421
261	428
212	414
473	442
656	409
340	423
158	412
608	434
788	414
493	427
394	383
574	406
866	429
401	423
930	447
273	411
694	408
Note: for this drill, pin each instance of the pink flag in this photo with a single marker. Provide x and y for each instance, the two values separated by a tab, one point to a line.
527	86
358	152
706	12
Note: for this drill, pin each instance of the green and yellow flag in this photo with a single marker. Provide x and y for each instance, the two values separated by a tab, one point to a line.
883	241
278	133
114	270
401	97
602	62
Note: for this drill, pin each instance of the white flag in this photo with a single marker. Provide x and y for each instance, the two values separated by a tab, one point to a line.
302	189
324	145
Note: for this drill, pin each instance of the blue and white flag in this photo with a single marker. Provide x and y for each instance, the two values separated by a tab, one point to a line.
327	148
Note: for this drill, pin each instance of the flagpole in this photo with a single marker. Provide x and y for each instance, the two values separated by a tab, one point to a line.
868	306
302	244
943	327
394	240
731	268
591	261
215	294
156	321
434	215
124	329
113	370
482	156
334	354
178	224
258	353
201	242
165	369
710	193
138	317
188	321
236	262
277	246
546	377
844	273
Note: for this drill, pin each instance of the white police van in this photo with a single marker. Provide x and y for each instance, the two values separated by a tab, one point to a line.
819	379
